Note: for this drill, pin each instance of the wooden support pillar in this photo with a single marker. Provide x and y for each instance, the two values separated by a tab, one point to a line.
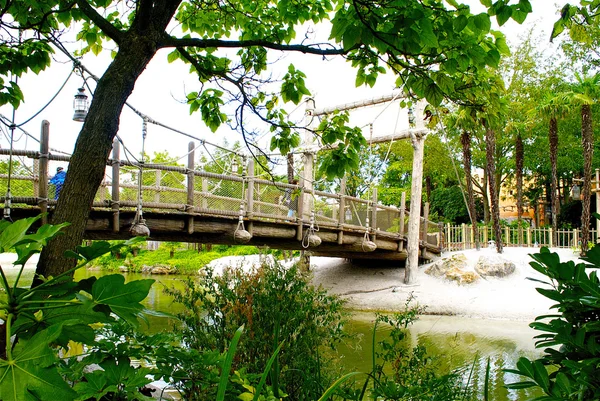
189	207
116	167
463	228
374	215
507	235
412	247
528	236
342	213
401	221
43	170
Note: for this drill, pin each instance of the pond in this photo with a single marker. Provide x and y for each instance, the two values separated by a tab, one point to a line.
454	341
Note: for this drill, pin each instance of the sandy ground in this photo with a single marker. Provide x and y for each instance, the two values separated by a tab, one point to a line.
381	288
377	288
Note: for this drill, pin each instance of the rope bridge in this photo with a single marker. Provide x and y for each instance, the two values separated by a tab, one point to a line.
187	204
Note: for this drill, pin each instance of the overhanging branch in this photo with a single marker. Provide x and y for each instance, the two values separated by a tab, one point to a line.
105	26
318	48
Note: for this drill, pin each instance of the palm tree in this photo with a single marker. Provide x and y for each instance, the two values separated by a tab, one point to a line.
585	93
553	106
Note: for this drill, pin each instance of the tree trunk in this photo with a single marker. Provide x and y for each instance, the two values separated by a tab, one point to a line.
555	196
87	166
519	160
428	188
465	140
412	246
587	139
490	151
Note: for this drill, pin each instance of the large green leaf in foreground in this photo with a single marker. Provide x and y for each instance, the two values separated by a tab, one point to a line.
123	299
31	374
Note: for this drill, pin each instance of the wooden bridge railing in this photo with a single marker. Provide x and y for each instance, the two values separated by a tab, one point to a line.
174	188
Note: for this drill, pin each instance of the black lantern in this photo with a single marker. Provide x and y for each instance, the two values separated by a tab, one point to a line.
80	105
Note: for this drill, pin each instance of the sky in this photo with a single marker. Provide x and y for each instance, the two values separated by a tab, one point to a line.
161	89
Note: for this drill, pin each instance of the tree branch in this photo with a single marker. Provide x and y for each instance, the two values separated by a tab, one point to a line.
97	19
217	43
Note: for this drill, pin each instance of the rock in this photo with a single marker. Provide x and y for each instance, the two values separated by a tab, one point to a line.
494	266
439	268
146	269
162	269
123	269
461	276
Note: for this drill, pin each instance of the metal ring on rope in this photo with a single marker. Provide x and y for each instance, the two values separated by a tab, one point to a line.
139	227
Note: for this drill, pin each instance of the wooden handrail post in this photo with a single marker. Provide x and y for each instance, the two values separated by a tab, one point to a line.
299	230
204	193
189	207
342	213
550	239
425	221
528	236
116	167
507	235
401	221
157	178
43	171
250	190
374	215
464	235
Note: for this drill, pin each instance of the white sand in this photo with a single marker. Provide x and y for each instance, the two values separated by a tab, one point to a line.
381	288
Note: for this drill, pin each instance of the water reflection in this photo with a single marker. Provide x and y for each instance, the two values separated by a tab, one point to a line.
455	341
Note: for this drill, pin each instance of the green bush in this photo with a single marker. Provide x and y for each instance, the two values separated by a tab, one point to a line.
570	366
276	305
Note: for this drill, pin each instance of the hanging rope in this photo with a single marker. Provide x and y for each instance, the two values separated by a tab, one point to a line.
240	234
139	226
311	239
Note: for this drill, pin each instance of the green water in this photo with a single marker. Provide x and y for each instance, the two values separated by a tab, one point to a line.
454	341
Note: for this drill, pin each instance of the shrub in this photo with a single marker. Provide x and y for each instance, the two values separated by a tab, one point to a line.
572	336
276	305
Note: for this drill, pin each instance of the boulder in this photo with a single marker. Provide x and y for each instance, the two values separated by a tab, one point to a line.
461	276
439	268
123	269
162	269
494	266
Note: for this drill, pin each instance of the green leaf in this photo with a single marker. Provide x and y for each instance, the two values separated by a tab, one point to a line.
427	35
31	373
224	379
503	14
15	232
482	22
123	299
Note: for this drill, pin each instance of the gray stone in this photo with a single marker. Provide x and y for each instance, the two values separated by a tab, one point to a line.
123	269
494	266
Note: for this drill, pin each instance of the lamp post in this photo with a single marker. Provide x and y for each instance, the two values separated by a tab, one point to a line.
80	105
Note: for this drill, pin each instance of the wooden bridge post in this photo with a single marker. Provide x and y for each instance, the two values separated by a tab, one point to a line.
116	167
299	232
204	193
401	221
189	207
43	170
158	178
374	215
250	195
342	212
